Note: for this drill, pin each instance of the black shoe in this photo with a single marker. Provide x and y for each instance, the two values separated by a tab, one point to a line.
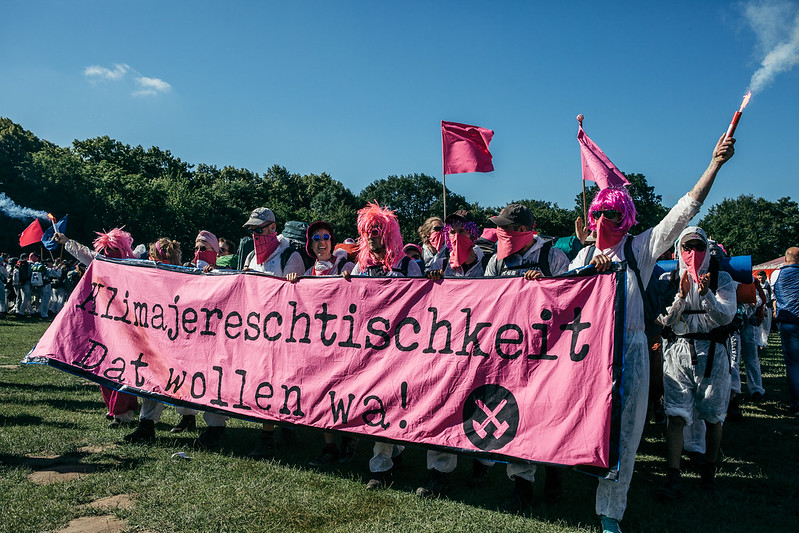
328	456
520	499
349	445
757	397
671	490
708	477
437	485
379	480
553	484
187	423
265	448
144	433
211	437
479	475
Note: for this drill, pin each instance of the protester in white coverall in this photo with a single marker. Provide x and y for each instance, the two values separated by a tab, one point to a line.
611	496
696	366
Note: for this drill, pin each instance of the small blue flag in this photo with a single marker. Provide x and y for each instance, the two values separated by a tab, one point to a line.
47	236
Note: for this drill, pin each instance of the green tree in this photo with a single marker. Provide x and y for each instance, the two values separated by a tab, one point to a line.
754	226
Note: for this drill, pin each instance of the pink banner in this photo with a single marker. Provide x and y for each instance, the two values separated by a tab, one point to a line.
498	367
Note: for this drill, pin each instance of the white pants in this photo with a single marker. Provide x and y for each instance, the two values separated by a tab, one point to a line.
754	380
152	409
23	304
611	496
382	456
44	300
693	437
446	462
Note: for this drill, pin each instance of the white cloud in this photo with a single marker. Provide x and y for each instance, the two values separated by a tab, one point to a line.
151	86
94	72
139	84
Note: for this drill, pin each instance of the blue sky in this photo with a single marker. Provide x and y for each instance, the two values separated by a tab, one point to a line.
358	89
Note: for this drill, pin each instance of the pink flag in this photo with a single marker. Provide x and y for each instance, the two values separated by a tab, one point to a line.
596	165
465	148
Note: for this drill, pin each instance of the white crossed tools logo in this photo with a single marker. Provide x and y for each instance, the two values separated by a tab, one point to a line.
491	416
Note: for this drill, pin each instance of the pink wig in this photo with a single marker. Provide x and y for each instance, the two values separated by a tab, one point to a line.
114	240
373	216
614	198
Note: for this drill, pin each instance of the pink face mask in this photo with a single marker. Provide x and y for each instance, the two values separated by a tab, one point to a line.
437	240
207	257
607	234
264	246
693	262
461	249
510	242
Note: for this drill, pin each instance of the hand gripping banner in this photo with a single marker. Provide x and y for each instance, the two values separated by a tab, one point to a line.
500	368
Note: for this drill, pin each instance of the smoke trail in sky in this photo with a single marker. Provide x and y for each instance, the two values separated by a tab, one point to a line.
776	24
13	210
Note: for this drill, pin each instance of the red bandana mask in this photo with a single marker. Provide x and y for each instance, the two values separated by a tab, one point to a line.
264	246
693	262
461	249
510	242
608	234
437	240
207	257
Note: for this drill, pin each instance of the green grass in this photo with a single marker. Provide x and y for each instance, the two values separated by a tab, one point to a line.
51	415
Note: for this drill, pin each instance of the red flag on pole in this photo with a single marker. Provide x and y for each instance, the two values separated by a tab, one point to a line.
596	165
31	235
465	148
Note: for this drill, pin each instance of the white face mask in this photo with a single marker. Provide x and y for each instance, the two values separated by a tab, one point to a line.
323	266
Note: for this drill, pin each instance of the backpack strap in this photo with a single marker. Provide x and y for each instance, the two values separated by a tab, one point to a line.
285	255
589	255
632	262
543	259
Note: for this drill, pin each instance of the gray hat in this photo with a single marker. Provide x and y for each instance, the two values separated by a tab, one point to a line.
259	216
514	215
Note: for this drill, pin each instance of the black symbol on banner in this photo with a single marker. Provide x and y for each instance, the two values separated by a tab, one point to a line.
490	417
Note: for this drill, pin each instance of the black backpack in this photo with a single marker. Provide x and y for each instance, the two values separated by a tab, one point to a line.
542	264
376	271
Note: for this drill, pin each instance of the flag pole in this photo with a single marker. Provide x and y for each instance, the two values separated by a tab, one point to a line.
580	119
444	181
585	220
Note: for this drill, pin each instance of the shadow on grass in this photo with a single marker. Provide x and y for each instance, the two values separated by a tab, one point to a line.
30	420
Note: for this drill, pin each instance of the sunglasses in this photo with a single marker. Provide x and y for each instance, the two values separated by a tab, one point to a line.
437	228
374	232
323	237
699	246
608	213
200	248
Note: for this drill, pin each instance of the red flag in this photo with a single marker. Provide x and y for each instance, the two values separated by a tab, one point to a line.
465	148
31	235
596	165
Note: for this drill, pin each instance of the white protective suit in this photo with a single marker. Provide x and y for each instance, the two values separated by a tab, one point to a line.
611	496
688	390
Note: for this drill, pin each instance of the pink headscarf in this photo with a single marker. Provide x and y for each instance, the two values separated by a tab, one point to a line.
373	216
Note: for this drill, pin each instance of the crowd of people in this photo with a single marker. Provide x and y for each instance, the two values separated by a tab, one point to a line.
699	331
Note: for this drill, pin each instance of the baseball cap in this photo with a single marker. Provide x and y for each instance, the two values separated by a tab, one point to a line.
259	216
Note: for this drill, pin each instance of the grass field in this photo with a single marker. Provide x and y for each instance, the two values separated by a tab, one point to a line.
51	421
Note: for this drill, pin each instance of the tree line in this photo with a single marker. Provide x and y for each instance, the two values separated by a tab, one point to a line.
103	183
